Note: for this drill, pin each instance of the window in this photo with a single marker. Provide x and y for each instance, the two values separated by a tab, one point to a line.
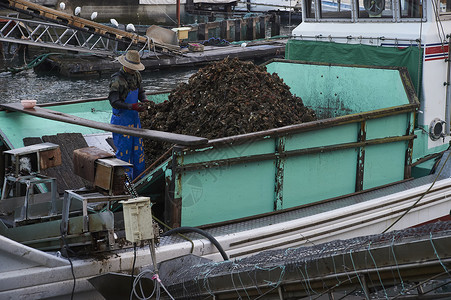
310	8
370	10
335	9
445	6
375	9
411	8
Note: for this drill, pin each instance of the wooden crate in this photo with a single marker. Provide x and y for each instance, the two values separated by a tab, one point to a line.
110	175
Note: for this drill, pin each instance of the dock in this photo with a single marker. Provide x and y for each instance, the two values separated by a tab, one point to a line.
87	48
83	65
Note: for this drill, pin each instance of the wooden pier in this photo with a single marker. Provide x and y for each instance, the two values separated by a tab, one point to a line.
160	47
78	66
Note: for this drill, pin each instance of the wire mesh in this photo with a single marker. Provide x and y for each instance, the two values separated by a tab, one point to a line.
377	266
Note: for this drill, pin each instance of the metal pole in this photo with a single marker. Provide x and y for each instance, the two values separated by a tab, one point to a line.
178	13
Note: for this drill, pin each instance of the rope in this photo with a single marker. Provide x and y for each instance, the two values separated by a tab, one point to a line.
436	254
358	277
34	63
151	46
213	41
377	271
397	267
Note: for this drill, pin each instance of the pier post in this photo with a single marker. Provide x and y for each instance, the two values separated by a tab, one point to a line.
262	30
250	29
238	30
223	29
229	32
275	28
202	32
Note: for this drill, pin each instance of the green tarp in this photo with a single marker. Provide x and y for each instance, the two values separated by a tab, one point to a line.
357	54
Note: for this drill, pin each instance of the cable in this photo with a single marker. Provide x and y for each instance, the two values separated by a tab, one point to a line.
168	16
158	283
202	232
169	227
138	280
67	249
438	22
421	197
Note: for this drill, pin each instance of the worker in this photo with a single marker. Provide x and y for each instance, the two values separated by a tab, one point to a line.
127	97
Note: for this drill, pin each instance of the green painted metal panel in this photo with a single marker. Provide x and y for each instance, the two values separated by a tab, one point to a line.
255	147
420	148
389	126
384	164
225	193
358	54
158	98
334	91
323	137
14	126
315	177
420	143
295	174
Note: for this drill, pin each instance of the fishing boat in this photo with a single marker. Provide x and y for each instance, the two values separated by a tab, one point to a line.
376	73
266	6
254	6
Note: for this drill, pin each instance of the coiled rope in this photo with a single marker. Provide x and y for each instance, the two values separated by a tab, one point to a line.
34	63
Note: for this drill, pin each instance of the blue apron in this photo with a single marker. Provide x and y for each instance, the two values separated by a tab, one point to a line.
129	148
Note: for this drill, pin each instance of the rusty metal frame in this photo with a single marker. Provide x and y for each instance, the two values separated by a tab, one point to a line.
360	158
313	125
173	204
285	154
279	163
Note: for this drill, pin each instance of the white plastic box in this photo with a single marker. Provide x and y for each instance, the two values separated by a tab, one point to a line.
138	219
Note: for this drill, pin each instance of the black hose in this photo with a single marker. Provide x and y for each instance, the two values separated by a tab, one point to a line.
202	232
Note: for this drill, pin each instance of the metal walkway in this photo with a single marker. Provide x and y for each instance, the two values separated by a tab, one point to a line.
41	26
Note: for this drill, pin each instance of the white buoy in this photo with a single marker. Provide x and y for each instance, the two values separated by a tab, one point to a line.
243	45
62	5
93	15
130	27
114	22
77	10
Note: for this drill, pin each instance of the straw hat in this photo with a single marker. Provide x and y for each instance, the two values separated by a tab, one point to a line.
131	60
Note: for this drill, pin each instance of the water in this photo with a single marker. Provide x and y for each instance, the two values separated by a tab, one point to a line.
51	88
56	88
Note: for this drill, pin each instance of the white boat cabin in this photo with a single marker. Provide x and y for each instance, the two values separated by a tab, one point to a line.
397	24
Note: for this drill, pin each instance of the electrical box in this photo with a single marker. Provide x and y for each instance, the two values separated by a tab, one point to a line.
32	159
138	219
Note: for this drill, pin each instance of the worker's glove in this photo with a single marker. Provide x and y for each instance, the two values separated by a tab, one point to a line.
139	107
